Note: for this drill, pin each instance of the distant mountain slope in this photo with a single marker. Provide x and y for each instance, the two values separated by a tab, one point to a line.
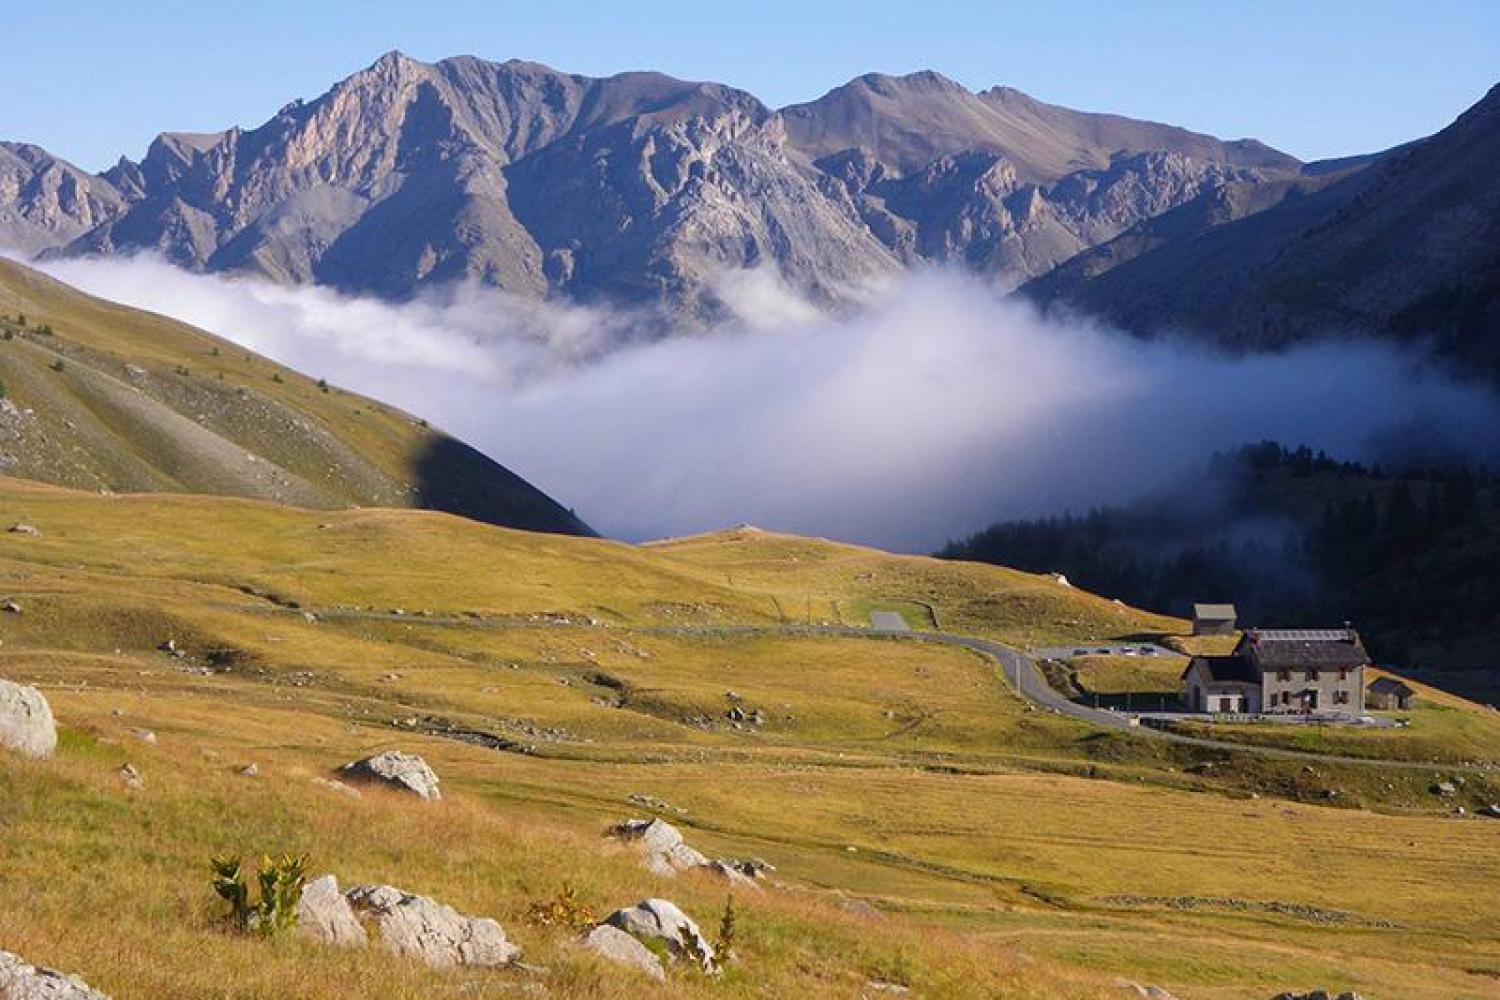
100	396
45	201
640	187
1409	247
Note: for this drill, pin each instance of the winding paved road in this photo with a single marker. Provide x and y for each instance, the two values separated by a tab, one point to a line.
1020	672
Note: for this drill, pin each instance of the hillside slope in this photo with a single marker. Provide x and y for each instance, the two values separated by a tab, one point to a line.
1408	247
104	397
930	830
636	187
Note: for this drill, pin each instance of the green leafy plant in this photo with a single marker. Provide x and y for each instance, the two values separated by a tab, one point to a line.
323	384
563	910
280	882
58	365
728	929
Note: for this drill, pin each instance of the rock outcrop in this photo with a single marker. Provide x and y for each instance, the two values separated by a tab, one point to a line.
26	723
20	980
660	920
430	932
404	771
324	914
666	853
615	945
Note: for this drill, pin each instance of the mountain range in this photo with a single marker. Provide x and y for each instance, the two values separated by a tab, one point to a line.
636	187
640	188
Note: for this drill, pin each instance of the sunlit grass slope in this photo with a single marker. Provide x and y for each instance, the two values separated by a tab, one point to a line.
929	829
105	397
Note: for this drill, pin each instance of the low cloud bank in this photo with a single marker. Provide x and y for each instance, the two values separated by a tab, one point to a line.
936	409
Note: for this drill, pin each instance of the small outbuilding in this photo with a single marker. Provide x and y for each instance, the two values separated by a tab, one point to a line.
1214	619
1390	694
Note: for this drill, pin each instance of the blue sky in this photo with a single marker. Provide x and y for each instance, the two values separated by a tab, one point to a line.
91	79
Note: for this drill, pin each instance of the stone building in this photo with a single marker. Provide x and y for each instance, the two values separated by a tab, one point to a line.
1316	672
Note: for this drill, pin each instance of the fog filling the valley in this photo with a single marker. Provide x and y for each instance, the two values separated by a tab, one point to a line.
929	413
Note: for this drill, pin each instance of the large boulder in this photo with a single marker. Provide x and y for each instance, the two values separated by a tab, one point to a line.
666	853
660	920
26	723
615	945
405	771
323	914
20	980
430	932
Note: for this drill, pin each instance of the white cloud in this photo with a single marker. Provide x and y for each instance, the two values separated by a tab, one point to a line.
935	409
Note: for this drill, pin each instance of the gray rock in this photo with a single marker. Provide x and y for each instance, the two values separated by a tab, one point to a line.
323	914
24	529
19	980
1149	992
733	873
251	770
617	946
405	771
131	777
1445	788
26	723
429	931
665	851
660	920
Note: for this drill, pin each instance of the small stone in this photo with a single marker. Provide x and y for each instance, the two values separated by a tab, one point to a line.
130	776
323	914
20	980
250	770
429	931
404	771
20	528
617	946
144	735
26	723
11	608
660	920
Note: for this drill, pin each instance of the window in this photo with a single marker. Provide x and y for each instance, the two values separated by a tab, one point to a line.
1343	673
1283	675
1286	697
1312	676
1226	704
1341	697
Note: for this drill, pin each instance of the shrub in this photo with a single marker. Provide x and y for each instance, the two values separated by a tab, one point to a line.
280	883
58	365
276	377
563	910
323	384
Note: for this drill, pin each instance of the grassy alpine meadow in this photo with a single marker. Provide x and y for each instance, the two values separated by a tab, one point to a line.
929	829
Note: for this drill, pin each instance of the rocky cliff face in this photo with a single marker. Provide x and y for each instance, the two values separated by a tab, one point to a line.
637	188
1407	245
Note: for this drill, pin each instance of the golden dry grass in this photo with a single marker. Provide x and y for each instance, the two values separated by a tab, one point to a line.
900	775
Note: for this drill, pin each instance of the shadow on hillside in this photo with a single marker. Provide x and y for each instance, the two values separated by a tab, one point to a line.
453	477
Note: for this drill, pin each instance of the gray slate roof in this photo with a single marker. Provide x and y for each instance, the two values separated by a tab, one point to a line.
1276	649
1391	685
1227	669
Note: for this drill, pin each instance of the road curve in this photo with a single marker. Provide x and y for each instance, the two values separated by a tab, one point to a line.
1019	670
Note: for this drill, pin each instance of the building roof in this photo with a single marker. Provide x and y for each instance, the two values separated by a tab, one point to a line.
1226	669
1391	685
1276	649
1214	612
